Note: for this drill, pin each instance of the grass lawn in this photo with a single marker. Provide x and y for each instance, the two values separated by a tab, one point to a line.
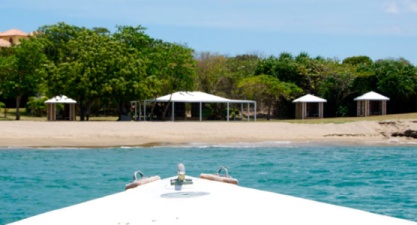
10	116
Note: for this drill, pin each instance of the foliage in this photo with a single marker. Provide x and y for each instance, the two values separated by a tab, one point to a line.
177	67
358	60
101	69
98	67
267	89
337	86
3	106
170	66
238	68
22	72
398	80
36	106
220	75
283	68
211	68
54	39
94	66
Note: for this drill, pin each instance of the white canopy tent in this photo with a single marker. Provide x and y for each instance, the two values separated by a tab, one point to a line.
371	103
60	99
199	97
306	107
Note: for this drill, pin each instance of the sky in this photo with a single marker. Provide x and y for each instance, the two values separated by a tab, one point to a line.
380	29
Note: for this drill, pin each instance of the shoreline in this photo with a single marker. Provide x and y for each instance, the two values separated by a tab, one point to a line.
89	134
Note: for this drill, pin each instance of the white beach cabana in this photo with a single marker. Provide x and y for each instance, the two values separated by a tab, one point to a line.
371	103
69	108
197	99
309	106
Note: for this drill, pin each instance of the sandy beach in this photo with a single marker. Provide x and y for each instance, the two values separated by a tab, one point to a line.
109	134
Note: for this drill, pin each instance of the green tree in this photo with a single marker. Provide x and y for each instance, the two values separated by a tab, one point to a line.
101	30
55	38
146	49
210	69
220	75
177	67
238	68
267	89
283	68
169	67
364	69
358	60
22	72
98	67
301	70
172	65
3	106
337	85
396	78
36	106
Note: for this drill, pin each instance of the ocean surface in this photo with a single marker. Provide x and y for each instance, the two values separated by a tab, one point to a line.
380	179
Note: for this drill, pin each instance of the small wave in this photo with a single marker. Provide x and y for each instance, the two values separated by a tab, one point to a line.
130	147
245	144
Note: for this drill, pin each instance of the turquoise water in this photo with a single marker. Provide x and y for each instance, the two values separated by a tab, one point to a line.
377	179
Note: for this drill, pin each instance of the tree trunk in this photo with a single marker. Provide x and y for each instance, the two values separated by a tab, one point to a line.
121	110
166	108
5	111
87	111
152	110
82	110
165	111
268	117
18	107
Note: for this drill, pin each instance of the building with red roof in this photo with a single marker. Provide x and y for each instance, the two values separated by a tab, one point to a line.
11	37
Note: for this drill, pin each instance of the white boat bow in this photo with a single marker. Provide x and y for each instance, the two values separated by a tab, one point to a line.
203	201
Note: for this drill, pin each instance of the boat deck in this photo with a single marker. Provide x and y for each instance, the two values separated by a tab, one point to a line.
206	202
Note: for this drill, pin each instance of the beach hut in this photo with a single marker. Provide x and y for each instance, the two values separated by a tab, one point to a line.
371	103
309	106
197	99
68	112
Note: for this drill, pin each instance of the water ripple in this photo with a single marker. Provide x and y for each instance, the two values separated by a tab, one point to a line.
376	179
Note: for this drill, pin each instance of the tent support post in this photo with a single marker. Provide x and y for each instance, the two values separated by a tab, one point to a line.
227	111
173	111
144	110
201	111
241	110
248	112
140	111
254	116
304	110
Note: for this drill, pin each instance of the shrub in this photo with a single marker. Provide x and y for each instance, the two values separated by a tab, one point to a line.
36	106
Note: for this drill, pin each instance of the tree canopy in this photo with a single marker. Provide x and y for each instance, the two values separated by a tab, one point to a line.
22	72
103	69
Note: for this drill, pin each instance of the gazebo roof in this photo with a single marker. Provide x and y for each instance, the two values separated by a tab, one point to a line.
196	96
309	98
371	96
61	99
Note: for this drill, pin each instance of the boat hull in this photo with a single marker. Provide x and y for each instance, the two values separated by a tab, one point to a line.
206	202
